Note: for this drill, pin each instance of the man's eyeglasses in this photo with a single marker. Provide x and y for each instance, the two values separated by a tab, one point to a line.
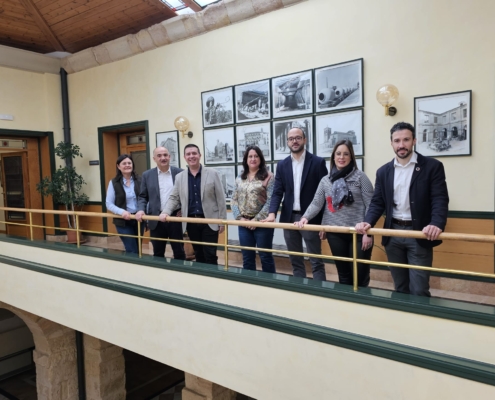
295	139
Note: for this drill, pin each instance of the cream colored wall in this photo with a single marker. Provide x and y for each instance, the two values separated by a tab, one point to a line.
422	47
395	326
33	98
258	362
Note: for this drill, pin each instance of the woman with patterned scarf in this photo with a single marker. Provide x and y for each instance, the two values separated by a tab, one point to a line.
346	195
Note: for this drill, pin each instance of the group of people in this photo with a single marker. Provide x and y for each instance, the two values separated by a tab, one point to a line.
166	191
410	190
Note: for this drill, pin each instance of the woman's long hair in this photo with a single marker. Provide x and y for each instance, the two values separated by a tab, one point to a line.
347	143
119	172
262	171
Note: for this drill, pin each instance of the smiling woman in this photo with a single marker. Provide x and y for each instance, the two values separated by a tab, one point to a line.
122	196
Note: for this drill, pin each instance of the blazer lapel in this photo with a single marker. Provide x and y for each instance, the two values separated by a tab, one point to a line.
417	170
307	166
290	174
204	177
390	180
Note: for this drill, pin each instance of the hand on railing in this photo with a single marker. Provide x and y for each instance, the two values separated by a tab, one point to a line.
126	215
300	224
139	216
432	232
271	218
163	217
362	227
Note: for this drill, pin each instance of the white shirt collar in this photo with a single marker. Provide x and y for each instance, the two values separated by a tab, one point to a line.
413	160
161	172
303	157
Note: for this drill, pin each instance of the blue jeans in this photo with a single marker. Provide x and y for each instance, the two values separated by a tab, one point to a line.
130	244
262	238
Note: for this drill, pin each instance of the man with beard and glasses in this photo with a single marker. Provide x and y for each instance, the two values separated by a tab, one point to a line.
296	181
412	192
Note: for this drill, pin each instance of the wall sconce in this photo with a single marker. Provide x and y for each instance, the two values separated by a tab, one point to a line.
386	96
182	125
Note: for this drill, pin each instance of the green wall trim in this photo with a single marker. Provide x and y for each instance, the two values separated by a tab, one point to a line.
444	363
435	307
471	214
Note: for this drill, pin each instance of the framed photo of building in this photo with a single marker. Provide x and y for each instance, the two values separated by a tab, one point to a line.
331	128
219	146
218	107
339	86
254	135
252	101
227	177
279	135
443	124
170	140
292	94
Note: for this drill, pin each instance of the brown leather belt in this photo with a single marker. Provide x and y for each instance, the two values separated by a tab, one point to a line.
401	222
196	216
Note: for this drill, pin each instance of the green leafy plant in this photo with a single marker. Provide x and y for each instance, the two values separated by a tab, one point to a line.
66	184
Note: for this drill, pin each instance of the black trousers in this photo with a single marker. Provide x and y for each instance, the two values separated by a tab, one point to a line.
203	233
341	246
166	230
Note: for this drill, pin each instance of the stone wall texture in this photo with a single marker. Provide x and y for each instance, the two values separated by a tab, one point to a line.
215	16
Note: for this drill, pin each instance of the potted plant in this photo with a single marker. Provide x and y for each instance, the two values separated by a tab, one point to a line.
65	185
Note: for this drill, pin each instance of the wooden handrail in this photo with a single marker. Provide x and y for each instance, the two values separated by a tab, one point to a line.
468	237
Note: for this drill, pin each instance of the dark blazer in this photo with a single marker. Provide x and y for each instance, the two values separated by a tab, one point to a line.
120	197
428	197
149	195
314	169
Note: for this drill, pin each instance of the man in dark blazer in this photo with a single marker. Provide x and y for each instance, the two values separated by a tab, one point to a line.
296	181
412	192
156	186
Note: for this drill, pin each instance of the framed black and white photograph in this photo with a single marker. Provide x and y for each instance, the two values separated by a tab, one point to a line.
339	86
218	107
227	177
252	101
292	94
279	134
219	146
170	140
332	128
443	124
254	135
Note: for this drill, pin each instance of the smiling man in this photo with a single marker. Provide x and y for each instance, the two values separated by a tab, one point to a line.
200	194
296	181
156	186
412	192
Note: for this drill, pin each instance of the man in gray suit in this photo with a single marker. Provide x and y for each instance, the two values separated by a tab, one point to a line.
156	186
199	193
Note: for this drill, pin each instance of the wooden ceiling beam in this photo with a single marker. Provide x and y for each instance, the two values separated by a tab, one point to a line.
40	21
192	5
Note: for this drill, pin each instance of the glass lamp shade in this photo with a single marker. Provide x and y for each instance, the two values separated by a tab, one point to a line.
181	123
387	95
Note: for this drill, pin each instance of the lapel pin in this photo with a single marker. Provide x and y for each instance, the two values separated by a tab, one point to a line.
417	168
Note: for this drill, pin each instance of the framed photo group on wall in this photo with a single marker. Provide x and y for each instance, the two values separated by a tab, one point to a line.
325	103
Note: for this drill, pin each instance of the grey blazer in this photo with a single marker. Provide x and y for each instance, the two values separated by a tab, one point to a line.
149	195
212	196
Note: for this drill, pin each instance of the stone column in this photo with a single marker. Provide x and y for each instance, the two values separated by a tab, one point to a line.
105	370
56	367
200	389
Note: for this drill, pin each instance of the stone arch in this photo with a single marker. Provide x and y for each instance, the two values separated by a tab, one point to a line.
54	356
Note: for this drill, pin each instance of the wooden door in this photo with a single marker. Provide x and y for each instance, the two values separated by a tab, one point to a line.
15	181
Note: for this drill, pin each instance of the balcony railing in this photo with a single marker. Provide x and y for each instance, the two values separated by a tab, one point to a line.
319	228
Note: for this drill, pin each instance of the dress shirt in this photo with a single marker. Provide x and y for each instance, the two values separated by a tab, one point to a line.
130	198
297	171
402	183
166	184
194	182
